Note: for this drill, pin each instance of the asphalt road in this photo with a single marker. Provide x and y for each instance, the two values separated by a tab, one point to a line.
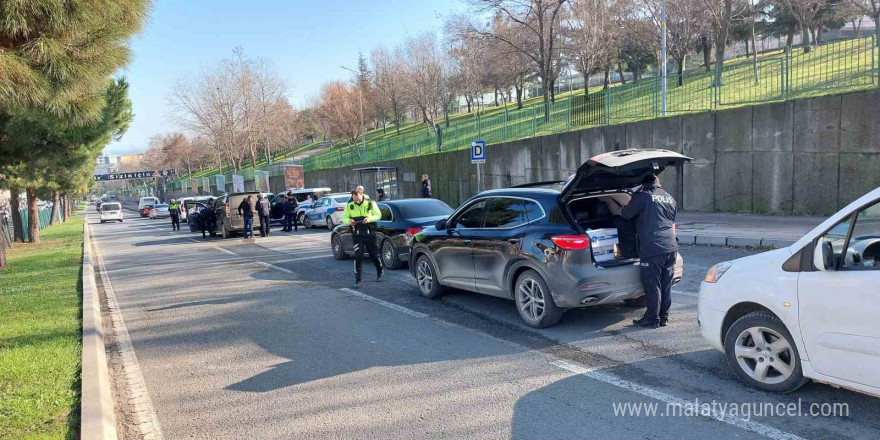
266	340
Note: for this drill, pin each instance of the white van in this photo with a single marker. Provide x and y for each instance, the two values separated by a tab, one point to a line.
111	212
146	202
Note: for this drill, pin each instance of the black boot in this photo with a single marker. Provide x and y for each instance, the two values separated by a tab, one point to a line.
663	321
647	323
379	275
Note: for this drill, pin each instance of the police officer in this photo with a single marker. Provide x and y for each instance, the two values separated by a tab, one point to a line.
174	212
361	214
206	219
654	211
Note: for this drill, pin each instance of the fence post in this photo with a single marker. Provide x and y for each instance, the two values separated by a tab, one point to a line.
607	93
568	116
873	65
534	115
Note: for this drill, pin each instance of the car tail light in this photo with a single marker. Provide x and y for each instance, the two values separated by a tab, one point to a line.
571	242
339	209
413	231
674	229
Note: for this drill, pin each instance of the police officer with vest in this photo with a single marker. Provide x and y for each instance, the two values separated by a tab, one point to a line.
174	212
361	214
654	212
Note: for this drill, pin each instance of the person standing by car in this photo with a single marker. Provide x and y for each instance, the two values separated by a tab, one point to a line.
426	186
380	195
174	213
206	220
246	211
654	211
264	209
361	213
290	221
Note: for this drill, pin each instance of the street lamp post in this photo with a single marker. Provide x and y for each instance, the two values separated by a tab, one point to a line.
363	126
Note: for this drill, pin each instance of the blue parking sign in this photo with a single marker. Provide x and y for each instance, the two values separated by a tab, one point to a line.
478	152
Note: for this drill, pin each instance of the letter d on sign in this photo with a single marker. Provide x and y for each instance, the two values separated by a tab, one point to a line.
478	152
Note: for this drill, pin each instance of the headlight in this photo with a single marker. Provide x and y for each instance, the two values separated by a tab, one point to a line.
715	272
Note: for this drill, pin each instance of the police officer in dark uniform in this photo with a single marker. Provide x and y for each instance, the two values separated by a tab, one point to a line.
654	212
206	219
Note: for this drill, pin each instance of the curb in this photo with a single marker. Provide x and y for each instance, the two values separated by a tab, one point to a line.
714	240
97	416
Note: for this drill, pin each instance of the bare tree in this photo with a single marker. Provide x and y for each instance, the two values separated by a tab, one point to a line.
686	21
338	110
591	36
721	15
427	77
539	20
388	79
870	8
805	12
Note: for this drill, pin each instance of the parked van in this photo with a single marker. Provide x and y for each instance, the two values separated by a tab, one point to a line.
145	204
228	221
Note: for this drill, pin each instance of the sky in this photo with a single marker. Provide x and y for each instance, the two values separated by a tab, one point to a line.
307	40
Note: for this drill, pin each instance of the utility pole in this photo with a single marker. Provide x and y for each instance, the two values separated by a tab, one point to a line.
663	50
361	99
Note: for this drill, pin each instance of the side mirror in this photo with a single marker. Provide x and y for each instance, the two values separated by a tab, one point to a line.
440	225
823	256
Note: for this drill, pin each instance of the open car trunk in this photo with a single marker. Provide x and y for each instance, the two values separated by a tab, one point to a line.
601	212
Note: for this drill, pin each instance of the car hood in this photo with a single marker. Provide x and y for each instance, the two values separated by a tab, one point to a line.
618	170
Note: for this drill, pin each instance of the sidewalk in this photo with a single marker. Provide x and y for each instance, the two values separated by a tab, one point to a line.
743	230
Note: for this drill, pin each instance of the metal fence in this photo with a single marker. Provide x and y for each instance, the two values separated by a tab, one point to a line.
44	218
835	67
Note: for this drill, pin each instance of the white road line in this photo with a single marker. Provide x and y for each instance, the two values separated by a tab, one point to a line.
748	425
272	266
375	300
225	251
144	412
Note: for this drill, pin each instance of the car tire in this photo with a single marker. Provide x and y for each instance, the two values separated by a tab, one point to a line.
102	221
301	219
336	247
426	278
639	301
120	221
329	223
534	303
389	256
758	363
307	223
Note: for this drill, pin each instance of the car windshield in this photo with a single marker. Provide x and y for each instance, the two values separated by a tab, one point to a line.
342	199
425	208
110	207
162	206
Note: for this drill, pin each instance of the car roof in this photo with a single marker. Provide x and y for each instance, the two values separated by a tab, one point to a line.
548	190
308	190
412	201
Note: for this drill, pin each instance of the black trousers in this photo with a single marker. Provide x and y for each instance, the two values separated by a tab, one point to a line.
367	242
657	272
290	223
175	222
207	226
264	225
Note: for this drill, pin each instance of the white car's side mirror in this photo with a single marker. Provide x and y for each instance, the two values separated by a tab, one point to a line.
823	256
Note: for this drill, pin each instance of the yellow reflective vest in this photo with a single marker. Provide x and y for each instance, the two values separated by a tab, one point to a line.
367	209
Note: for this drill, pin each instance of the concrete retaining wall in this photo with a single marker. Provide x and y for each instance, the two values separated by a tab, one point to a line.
808	156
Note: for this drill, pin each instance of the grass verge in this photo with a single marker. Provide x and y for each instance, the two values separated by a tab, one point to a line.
40	336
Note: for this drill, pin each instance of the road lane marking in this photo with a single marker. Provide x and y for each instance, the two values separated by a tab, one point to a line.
383	303
742	423
272	266
225	251
143	411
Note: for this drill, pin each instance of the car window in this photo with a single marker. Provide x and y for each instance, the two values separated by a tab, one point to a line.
110	207
532	210
837	235
472	216
342	199
863	249
504	213
424	208
387	215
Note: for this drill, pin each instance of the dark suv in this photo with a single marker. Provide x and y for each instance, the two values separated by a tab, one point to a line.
531	244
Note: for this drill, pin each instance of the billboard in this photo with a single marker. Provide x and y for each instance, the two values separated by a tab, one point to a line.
261	178
206	184
237	183
221	183
134	175
294	177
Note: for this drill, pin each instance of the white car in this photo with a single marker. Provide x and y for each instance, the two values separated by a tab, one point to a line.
809	311
160	211
326	211
144	202
111	212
